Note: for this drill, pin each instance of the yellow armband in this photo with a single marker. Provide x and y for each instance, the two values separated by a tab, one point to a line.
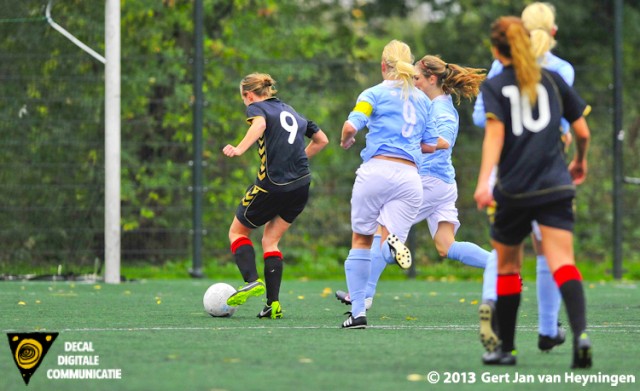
364	108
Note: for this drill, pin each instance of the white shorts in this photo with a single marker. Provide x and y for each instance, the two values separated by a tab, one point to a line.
535	228
438	203
386	193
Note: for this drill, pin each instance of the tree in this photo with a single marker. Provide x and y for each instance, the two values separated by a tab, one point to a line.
322	54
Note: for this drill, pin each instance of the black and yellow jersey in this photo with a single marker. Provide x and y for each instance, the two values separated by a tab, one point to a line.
283	162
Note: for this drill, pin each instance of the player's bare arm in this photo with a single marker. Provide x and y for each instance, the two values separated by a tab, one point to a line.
256	130
348	135
578	166
426	148
491	149
318	141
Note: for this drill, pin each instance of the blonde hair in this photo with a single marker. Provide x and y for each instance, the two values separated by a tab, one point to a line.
261	84
511	39
452	78
540	19
399	64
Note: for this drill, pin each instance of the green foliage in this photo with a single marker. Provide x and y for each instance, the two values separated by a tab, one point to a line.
322	54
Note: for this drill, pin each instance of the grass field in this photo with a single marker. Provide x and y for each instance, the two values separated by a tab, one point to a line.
157	334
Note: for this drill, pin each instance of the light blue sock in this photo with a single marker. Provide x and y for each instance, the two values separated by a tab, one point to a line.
385	251
490	278
549	299
357	268
468	253
377	267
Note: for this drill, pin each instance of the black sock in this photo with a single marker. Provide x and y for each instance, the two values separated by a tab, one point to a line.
507	311
273	275
509	287
574	301
245	257
569	282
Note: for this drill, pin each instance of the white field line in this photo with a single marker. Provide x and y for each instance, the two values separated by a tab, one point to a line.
618	328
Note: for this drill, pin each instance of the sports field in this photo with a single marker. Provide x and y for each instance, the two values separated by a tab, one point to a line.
157	335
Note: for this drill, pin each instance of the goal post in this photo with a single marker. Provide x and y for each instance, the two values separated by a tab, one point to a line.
112	138
112	143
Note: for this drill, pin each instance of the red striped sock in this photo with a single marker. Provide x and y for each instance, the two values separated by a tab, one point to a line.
566	273
241	241
509	289
509	284
270	254
569	281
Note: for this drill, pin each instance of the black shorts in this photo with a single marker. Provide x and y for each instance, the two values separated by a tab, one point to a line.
259	206
512	225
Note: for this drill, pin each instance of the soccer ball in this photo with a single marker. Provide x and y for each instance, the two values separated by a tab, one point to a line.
215	300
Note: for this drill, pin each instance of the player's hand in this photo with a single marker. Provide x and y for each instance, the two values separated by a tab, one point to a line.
346	144
578	171
483	196
230	151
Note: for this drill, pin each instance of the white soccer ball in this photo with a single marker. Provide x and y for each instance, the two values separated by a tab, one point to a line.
215	300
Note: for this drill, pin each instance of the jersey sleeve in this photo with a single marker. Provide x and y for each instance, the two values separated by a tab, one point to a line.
479	117
478	111
446	122
430	133
312	128
574	106
492	107
359	116
496	69
566	71
568	74
253	111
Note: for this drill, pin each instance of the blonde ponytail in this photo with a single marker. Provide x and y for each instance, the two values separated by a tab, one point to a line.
399	64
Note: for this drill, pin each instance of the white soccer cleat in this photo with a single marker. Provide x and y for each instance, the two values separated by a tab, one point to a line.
399	251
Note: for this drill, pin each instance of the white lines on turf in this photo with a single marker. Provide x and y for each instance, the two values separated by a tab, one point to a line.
607	329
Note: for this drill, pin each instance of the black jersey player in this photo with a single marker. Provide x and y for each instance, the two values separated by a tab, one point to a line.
280	190
524	105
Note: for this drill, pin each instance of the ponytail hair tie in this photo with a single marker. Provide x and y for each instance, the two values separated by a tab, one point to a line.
446	65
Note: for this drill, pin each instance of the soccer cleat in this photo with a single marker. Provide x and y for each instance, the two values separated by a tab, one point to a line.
355	323
255	288
488	326
582	352
498	357
546	343
344	298
399	251
273	311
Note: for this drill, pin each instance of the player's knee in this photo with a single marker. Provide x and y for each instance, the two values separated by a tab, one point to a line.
443	248
443	243
268	244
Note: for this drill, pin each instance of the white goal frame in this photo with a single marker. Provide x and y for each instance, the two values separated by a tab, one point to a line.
112	138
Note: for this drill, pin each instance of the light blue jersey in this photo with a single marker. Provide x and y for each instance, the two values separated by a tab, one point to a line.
549	61
439	164
397	126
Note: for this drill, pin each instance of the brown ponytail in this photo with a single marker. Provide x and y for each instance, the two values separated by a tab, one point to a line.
452	78
511	39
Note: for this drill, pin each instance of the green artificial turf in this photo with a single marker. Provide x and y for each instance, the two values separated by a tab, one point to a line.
157	333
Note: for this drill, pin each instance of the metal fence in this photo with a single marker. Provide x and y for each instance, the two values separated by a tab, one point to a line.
52	187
